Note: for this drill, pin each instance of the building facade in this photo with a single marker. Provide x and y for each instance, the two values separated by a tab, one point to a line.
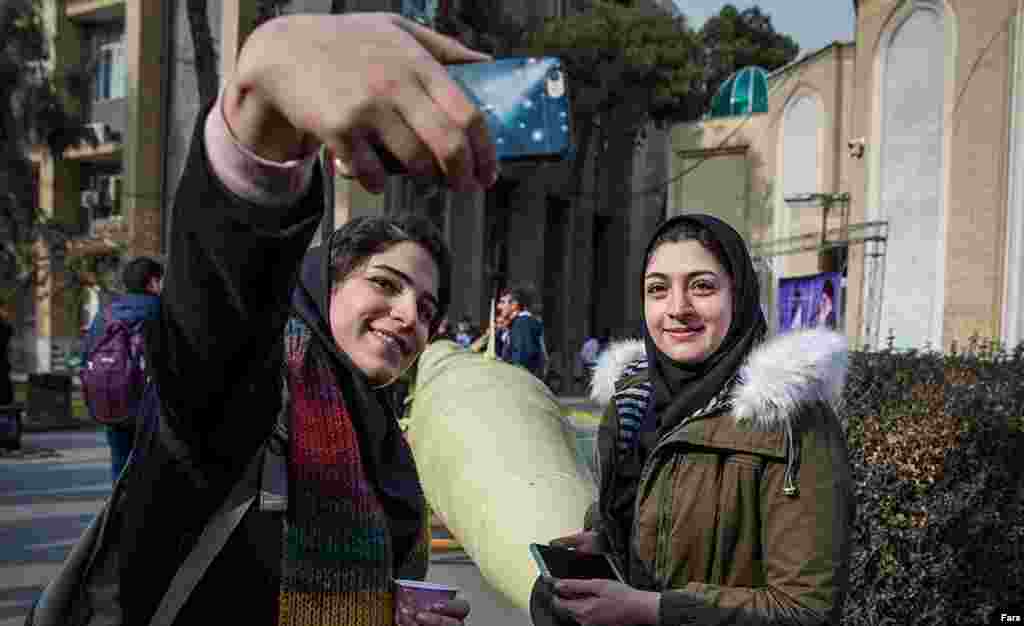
910	138
107	192
577	251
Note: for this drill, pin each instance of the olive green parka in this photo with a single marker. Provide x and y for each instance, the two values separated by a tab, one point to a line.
742	513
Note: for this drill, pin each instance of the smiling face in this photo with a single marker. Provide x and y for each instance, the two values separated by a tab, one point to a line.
688	301
382	312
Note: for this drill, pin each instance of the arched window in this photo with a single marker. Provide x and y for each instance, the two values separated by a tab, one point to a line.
912	95
800	146
801	128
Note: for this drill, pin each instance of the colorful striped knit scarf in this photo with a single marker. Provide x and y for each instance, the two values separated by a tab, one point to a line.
337	559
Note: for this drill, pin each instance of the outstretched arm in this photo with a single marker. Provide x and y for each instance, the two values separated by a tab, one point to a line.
246	207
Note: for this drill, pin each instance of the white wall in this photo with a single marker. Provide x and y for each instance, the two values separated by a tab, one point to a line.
1013	294
801	163
911	181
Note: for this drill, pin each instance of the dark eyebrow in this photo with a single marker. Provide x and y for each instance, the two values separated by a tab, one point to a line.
691	276
405	278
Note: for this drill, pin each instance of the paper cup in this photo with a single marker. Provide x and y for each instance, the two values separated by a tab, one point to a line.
412	596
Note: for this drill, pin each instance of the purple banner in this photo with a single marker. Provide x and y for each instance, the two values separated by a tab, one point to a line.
810	301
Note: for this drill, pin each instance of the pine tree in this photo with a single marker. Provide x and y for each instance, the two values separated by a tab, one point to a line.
34	110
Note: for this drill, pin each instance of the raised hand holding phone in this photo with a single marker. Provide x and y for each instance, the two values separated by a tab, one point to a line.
525	103
404	100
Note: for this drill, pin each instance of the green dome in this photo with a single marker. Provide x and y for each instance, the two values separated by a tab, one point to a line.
744	93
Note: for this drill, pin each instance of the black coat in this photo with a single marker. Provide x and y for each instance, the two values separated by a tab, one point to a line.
6	387
217	358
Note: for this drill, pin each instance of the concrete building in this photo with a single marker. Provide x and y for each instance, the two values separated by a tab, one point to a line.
913	136
142	106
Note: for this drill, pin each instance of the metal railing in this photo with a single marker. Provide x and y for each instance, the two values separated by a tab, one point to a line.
811	242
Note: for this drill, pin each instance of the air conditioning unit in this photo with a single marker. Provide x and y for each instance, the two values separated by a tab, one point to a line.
113	191
102	132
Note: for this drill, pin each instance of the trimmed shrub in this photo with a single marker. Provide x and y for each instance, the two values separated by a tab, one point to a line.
937	447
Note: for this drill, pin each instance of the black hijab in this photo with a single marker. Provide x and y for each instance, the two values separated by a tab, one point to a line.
387	460
682	389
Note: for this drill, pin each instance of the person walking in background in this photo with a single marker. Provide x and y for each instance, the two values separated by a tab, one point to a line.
592	348
6	334
588	354
444	331
503	321
143	281
464	332
501	324
525	343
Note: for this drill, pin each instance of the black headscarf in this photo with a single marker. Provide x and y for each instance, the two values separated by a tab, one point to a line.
386	459
682	389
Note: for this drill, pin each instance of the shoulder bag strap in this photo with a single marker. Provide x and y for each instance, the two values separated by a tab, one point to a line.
211	541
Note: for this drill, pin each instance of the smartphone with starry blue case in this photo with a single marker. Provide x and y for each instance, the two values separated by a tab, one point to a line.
526	102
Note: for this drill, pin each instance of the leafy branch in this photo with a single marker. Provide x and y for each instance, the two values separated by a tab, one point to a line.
37	107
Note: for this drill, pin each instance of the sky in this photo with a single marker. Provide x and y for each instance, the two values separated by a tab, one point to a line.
813	24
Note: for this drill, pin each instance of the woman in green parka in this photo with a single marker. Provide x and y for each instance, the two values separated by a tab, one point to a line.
725	490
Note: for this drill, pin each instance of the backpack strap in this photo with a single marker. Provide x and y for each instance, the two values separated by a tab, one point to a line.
99	324
274	478
215	535
632	404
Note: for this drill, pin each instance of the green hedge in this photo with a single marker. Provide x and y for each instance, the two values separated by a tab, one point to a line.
937	447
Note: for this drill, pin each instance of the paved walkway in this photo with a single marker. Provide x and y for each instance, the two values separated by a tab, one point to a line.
46	501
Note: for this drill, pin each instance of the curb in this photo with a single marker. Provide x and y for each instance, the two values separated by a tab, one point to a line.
29	453
72	424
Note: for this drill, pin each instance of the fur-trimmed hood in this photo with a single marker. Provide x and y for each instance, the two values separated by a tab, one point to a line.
778	377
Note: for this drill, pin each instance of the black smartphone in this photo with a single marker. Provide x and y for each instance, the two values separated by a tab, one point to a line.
526	104
559	562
